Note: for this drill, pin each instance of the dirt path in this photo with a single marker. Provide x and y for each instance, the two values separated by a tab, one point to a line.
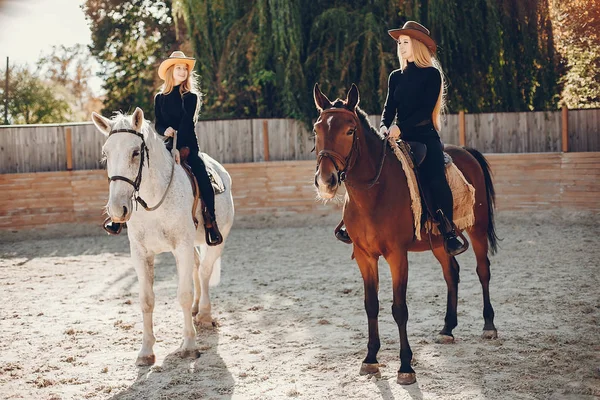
292	322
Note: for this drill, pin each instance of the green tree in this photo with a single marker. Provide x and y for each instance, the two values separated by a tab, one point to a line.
31	100
578	34
69	69
260	58
129	39
497	55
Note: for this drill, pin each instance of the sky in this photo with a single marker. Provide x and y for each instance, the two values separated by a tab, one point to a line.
29	29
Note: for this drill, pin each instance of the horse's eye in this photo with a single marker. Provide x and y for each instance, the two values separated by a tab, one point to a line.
135	153
351	132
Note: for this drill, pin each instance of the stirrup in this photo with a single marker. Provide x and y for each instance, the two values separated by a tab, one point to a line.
448	231
462	246
342	235
211	230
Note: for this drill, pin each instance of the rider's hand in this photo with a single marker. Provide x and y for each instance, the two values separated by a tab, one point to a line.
169	132
176	156
383	131
394	132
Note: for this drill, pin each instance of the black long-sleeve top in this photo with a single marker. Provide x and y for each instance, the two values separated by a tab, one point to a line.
412	95
177	111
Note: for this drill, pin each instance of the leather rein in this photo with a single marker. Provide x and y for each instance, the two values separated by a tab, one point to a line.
344	164
144	154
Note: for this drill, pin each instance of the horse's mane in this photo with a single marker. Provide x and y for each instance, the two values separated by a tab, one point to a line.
122	120
154	141
362	117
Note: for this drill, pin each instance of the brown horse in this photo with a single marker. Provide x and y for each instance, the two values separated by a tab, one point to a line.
379	220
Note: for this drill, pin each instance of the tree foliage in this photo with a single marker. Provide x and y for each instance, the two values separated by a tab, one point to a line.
498	55
260	58
130	38
69	70
577	24
31	99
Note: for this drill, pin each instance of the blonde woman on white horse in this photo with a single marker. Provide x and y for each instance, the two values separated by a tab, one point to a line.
176	108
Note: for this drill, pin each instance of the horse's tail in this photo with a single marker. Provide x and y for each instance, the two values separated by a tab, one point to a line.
491	198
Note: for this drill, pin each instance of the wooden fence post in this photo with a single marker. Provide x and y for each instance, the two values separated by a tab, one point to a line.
266	139
69	148
462	139
565	129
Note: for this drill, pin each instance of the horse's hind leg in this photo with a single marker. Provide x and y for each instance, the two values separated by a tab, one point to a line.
451	271
480	247
144	267
211	263
370	274
196	281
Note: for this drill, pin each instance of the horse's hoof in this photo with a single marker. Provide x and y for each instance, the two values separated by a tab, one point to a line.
370	369
194	353
490	334
205	321
406	378
444	339
145	361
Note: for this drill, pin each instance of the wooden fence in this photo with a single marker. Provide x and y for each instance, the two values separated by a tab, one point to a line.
542	181
38	148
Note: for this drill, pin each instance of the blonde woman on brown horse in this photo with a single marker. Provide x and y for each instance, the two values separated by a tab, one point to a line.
378	209
415	99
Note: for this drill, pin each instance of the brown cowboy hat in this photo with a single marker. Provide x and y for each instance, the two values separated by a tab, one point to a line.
176	57
415	31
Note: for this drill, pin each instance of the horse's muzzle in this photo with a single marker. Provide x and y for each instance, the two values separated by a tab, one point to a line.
119	214
327	183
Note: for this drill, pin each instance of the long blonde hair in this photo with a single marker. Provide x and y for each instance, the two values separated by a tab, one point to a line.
190	85
425	58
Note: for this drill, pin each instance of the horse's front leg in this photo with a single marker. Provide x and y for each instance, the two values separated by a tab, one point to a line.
451	270
144	267
370	274
398	262
184	257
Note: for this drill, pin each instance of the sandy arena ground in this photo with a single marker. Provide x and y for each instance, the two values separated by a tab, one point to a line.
292	322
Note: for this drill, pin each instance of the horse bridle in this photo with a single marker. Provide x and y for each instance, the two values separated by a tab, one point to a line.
138	179
344	164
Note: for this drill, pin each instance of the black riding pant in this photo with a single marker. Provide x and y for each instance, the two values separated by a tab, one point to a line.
206	189
432	172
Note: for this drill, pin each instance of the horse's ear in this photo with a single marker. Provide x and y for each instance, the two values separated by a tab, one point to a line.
103	124
137	119
353	97
321	101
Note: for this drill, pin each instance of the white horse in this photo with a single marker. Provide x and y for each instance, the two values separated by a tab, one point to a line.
136	155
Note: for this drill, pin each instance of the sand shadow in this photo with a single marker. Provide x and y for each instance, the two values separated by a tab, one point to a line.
180	378
414	391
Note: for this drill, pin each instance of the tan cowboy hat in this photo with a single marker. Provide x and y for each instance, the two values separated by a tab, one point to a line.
415	31
176	57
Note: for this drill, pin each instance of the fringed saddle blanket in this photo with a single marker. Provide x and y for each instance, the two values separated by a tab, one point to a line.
463	194
215	179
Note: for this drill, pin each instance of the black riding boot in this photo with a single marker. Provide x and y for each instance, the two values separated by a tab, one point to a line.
213	235
452	245
112	228
341	234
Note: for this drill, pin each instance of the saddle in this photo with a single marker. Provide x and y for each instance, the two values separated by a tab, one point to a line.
215	180
416	152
